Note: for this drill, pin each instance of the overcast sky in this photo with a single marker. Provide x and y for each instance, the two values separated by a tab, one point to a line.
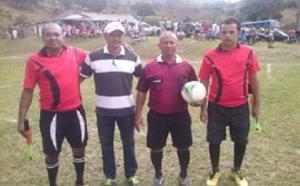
232	0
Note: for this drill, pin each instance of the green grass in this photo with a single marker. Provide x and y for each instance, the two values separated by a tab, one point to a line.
272	157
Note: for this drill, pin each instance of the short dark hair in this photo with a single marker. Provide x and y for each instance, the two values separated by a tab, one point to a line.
232	21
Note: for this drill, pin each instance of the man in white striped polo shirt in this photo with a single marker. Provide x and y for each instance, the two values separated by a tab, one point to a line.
113	68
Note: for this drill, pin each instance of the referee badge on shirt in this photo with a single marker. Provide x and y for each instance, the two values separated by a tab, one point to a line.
156	80
156	83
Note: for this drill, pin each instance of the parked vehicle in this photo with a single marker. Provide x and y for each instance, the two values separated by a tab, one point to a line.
270	23
150	30
279	35
188	29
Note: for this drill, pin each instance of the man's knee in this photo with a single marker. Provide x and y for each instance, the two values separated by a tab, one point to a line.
52	158
156	150
183	149
78	151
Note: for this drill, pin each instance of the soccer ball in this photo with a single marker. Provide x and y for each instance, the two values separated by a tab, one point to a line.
193	92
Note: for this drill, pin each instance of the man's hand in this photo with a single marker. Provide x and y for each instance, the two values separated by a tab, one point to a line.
21	129
203	116
255	110
138	121
197	104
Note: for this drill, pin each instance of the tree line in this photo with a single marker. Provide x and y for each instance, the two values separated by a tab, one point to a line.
245	9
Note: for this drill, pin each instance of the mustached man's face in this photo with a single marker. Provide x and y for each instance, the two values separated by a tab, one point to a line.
229	35
52	36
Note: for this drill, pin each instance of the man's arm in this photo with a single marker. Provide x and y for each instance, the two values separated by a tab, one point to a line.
203	111
254	86
140	101
81	79
25	102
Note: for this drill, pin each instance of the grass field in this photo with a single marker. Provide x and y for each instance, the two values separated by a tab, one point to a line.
272	157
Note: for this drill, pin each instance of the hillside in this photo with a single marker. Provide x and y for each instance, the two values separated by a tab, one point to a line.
46	11
51	9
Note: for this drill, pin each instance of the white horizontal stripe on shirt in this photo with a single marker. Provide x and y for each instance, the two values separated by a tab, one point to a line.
114	102
110	65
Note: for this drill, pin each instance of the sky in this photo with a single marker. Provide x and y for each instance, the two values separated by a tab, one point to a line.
232	0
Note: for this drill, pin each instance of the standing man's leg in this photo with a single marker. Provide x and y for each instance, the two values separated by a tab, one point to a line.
52	137
181	132
52	165
156	159
106	128
239	152
157	134
77	136
239	130
214	153
216	133
79	162
184	160
126	127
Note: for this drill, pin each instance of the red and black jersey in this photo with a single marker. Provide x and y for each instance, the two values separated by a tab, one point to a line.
57	78
230	72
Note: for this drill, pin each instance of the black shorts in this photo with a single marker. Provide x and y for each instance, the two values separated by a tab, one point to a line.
159	126
237	118
55	126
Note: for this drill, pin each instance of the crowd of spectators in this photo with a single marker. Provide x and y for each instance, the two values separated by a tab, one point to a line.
16	31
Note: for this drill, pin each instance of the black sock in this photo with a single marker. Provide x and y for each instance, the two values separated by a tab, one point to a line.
52	169
79	167
156	159
184	160
239	151
214	152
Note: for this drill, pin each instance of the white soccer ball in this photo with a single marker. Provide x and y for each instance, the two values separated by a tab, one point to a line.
193	92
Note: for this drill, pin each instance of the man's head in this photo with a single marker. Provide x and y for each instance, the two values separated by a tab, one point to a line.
52	36
168	43
114	34
229	33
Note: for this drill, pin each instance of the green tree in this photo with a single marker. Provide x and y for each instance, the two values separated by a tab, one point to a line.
143	9
254	10
67	3
22	19
24	3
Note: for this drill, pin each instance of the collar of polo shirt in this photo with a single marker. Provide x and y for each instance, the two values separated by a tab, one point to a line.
122	53
178	59
220	49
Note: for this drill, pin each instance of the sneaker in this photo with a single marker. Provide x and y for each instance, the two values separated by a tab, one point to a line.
184	181
213	178
109	182
239	178
133	181
158	181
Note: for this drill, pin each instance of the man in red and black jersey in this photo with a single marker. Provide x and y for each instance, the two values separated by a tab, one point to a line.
55	69
164	78
232	69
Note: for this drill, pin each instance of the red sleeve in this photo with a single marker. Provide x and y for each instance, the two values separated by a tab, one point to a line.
205	70
81	55
30	78
254	66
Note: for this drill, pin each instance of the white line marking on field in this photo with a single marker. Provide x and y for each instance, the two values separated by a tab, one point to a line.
10	85
11	120
8	57
269	69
